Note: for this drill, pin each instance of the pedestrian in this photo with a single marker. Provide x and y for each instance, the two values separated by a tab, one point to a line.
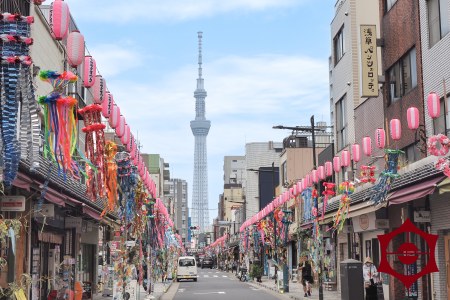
307	278
370	275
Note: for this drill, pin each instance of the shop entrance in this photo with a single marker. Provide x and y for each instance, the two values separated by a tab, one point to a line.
447	263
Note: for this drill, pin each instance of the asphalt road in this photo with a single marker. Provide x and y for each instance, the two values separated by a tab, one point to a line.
217	285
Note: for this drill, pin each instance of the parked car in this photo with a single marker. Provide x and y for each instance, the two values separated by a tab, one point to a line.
207	262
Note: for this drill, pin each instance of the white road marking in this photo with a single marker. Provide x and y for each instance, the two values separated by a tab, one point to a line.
224	276
216	276
205	275
180	290
209	293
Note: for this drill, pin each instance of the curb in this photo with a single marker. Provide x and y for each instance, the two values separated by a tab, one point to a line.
276	290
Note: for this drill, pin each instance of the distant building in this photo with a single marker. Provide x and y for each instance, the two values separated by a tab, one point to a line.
179	201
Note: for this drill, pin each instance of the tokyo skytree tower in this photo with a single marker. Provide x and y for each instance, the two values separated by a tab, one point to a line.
200	128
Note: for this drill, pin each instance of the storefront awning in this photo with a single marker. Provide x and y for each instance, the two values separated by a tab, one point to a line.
444	186
91	212
415	191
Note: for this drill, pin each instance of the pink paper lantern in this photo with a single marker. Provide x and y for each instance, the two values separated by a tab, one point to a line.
315	176
396	129
345	158
75	48
304	184
59	19
125	139
89	72
413	118
308	180
295	191
130	145
321	172
336	164
107	105
328	168
120	129
356	152
299	187
434	105
292	192
114	117
367	146
99	90
380	138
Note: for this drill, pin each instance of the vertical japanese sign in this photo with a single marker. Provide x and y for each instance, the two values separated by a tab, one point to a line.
369	62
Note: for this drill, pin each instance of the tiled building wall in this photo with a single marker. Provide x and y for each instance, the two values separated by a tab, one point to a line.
435	62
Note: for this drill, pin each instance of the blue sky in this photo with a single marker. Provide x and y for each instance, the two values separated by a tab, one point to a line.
265	63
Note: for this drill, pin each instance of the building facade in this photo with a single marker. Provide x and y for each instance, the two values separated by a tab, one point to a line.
178	193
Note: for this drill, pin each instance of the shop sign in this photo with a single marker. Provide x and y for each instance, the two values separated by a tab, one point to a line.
369	61
382	224
74	222
44	210
12	203
364	222
422	216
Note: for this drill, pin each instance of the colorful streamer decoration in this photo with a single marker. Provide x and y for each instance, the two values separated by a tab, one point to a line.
380	190
327	193
110	176
17	87
345	189
94	151
60	121
367	174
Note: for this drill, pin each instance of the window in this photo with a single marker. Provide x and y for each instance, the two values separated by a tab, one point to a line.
437	20
389	4
283	173
402	76
411	155
338	45
441	124
341	122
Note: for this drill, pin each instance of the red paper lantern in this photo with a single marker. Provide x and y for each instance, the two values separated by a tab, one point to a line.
356	152
380	138
434	105
345	158
396	129
99	90
321	172
336	164
75	48
315	176
107	105
114	117
328	168
120	129
89	72
367	145
413	118
59	19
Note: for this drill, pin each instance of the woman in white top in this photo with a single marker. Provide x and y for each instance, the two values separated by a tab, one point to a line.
370	275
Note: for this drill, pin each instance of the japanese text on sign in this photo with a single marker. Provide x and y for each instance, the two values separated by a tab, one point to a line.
369	62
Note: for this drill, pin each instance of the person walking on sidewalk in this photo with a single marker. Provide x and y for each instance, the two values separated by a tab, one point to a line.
370	274
307	278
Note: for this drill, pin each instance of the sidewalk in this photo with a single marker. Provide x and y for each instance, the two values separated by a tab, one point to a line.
158	290
296	290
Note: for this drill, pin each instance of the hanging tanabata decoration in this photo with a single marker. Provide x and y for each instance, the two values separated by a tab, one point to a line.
60	121
345	189
17	87
94	150
367	174
327	193
110	176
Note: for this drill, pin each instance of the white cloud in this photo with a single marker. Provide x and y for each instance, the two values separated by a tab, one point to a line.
113	59
169	10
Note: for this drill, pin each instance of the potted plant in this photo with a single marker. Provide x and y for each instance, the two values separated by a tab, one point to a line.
256	272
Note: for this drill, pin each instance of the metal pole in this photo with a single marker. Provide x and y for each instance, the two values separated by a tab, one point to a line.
317	205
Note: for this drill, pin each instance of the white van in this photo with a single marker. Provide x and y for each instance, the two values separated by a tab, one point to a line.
187	268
